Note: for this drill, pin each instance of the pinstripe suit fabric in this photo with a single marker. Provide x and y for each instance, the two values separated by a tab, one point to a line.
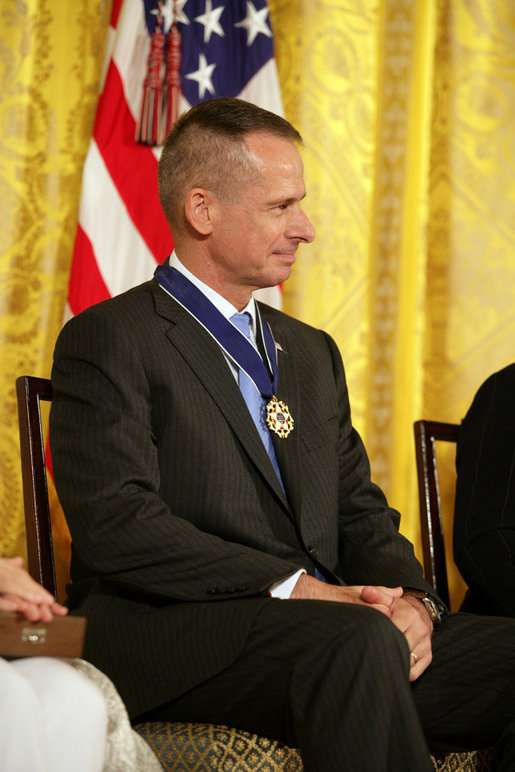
180	526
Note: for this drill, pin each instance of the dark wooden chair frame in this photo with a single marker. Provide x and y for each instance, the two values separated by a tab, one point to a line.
433	544
40	554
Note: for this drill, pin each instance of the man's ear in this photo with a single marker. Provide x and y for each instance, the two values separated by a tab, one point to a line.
198	208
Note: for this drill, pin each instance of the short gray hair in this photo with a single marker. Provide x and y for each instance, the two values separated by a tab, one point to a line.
206	149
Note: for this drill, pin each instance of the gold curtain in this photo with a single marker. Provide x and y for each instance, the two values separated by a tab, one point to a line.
51	54
406	108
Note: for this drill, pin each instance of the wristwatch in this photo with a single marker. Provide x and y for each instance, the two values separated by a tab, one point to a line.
435	614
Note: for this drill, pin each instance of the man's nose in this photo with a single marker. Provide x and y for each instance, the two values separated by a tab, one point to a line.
301	227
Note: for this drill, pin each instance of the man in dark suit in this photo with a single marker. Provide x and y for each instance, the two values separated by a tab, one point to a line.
484	516
237	570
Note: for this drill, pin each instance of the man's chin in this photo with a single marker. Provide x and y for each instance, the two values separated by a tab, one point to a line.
273	277
282	273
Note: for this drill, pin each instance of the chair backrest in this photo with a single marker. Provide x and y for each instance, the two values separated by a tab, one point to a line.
40	555
433	544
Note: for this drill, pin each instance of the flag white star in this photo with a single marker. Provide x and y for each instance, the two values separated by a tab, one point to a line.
255	22
203	76
171	9
211	21
179	14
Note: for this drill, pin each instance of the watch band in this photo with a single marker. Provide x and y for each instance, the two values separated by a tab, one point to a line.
435	614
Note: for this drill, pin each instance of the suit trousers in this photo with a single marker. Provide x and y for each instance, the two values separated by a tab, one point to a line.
332	679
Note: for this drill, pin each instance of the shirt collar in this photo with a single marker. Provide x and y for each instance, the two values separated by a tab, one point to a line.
226	309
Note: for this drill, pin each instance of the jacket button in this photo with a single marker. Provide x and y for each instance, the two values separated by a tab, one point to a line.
312	552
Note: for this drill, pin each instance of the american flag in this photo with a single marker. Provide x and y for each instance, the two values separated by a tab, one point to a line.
226	50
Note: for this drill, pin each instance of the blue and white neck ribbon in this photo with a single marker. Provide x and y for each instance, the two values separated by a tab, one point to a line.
237	347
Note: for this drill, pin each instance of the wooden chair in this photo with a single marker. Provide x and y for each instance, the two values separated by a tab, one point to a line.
433	545
185	746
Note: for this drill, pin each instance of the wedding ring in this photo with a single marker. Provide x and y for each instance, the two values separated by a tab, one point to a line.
415	658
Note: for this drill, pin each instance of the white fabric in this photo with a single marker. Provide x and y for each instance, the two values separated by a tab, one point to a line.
62	715
125	750
52	719
284	589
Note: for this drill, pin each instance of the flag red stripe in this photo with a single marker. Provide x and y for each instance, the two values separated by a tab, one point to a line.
117	4
86	283
133	167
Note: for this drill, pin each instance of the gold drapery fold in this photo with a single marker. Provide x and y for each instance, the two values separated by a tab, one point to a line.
407	112
398	256
51	54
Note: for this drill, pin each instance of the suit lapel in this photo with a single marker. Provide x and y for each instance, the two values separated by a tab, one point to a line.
207	361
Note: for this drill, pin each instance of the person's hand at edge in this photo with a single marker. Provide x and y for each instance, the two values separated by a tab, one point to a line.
20	593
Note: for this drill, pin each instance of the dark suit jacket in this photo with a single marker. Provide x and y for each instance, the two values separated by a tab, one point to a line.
178	522
484	518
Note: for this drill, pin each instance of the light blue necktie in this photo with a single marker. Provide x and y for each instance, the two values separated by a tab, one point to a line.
255	402
257	406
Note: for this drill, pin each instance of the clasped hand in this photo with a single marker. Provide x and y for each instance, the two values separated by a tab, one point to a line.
19	592
407	613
